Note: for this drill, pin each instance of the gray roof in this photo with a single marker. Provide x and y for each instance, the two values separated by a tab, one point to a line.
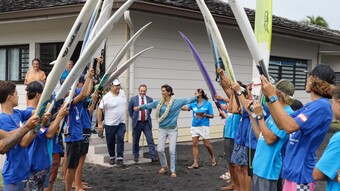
19	5
222	8
215	6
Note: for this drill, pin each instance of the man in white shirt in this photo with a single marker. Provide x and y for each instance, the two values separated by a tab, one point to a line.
141	122
113	104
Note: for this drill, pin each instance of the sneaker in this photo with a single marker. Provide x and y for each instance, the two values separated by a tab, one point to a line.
112	161
93	131
154	159
120	163
101	135
136	159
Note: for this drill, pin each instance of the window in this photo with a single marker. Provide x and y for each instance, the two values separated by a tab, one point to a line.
289	69
337	75
50	51
14	62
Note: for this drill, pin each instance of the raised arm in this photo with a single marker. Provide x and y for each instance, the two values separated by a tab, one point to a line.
84	91
268	135
282	119
55	125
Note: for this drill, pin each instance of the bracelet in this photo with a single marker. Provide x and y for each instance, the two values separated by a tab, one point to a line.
273	99
239	93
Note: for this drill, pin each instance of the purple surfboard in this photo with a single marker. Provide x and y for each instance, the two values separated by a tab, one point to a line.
203	70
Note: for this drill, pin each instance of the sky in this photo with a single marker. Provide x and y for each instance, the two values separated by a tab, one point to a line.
299	9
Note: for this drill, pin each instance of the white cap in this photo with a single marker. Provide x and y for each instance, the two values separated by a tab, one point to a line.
116	82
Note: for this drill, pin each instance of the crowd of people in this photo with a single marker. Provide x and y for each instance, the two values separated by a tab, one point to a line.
268	146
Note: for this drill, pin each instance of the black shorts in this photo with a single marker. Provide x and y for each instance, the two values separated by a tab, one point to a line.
73	154
228	149
86	142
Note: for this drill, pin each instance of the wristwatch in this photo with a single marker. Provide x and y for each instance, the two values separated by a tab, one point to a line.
273	99
239	93
259	117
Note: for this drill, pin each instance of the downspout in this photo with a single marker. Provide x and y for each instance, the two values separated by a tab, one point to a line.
129	73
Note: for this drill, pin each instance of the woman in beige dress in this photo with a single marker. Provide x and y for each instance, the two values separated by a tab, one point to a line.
35	73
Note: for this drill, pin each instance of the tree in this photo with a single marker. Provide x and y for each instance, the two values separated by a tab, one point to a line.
319	21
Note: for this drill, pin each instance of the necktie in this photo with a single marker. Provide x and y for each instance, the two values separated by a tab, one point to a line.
142	117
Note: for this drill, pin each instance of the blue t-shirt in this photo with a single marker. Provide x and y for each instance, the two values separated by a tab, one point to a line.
84	112
231	125
170	122
314	120
242	130
58	144
205	108
16	167
38	154
329	162
267	161
38	151
251	141
74	122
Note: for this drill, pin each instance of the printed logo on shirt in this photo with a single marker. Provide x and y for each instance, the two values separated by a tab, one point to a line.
42	129
302	117
292	139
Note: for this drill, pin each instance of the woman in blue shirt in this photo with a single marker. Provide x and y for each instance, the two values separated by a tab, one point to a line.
167	111
202	112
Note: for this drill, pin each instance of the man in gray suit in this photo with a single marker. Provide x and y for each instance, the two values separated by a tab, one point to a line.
141	122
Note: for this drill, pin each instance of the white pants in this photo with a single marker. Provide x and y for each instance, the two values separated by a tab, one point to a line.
163	134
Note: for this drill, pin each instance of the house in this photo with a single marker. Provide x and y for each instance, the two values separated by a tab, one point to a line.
37	28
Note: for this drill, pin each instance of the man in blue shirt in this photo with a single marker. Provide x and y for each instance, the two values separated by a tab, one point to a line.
16	168
307	127
73	132
38	153
329	164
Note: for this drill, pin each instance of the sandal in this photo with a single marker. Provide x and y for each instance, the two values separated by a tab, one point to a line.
226	177
173	175
193	167
163	170
214	163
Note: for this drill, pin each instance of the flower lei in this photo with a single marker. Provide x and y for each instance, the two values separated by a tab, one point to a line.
167	110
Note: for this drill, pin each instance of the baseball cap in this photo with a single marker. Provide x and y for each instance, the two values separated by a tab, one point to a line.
116	82
35	87
286	87
324	72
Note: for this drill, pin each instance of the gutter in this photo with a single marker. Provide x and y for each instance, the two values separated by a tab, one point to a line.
129	73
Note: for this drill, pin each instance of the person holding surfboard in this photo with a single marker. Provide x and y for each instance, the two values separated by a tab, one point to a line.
307	127
167	111
267	162
14	137
328	166
202	112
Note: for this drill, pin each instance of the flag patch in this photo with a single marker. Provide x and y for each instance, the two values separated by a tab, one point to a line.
302	117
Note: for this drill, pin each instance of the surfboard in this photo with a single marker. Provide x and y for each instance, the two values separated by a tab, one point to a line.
64	55
123	67
121	53
263	33
90	49
249	36
203	70
217	38
103	17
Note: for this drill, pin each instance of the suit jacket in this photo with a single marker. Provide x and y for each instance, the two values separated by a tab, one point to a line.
134	115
